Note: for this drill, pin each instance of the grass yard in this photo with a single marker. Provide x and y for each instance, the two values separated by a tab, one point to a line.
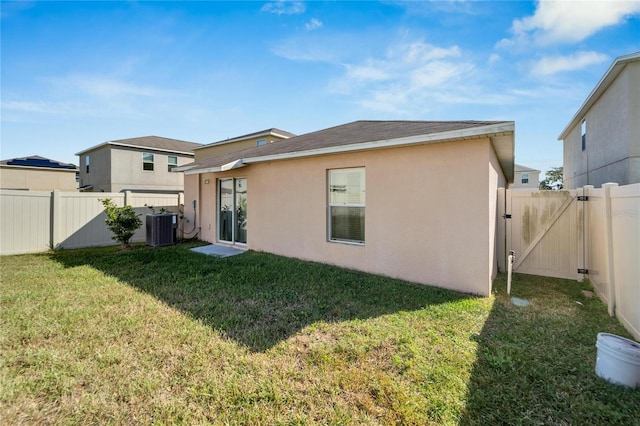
168	336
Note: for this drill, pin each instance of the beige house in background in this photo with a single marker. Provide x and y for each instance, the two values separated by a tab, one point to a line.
525	178
250	140
142	164
378	196
37	173
601	143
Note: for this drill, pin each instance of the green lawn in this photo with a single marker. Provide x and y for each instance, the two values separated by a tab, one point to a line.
168	336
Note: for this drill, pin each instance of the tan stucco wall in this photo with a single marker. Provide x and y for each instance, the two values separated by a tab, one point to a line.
127	172
496	180
225	148
99	169
534	180
613	136
423	222
37	179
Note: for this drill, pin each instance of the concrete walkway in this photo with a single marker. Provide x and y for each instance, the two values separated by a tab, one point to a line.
218	251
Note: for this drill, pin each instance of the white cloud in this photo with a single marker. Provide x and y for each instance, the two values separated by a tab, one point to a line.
89	95
367	72
284	7
313	24
415	64
406	77
569	21
108	88
26	106
555	64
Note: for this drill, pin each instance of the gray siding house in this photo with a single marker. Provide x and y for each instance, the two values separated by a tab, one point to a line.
142	164
602	140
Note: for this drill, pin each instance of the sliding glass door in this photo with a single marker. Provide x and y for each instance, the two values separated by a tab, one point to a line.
232	210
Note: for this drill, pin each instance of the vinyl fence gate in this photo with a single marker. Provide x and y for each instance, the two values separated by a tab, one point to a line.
545	229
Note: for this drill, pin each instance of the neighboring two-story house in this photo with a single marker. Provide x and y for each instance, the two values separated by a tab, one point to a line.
142	164
525	178
602	140
37	173
250	140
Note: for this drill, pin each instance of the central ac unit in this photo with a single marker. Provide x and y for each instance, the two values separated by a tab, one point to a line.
161	229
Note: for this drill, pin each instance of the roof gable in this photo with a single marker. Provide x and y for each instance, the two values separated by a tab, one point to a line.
612	73
521	168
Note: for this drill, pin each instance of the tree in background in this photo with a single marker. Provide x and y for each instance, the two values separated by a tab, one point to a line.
553	179
122	221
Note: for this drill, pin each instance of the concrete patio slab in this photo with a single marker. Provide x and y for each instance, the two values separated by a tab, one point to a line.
218	250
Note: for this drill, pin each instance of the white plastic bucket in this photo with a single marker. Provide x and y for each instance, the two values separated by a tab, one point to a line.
618	360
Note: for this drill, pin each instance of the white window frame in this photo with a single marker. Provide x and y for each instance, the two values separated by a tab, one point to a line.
331	204
171	165
146	161
524	178
261	142
87	163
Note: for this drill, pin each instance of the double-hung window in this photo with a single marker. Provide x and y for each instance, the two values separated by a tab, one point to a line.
147	161
87	163
525	178
172	162
346	205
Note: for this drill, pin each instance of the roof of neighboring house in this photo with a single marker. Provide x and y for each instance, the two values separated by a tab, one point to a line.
614	70
365	135
267	132
521	168
155	143
37	161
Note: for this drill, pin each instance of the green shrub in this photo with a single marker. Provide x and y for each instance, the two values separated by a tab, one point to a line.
122	221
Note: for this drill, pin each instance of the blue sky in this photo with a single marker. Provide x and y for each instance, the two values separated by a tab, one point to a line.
76	74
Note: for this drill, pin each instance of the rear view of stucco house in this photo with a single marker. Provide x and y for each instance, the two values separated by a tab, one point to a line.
525	178
378	196
238	143
602	141
144	164
36	173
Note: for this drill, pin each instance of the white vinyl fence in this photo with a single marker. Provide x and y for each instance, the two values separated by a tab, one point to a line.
36	221
612	249
584	233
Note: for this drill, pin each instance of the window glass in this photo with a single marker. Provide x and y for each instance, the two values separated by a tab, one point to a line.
347	205
172	162
86	163
261	142
525	178
147	161
583	133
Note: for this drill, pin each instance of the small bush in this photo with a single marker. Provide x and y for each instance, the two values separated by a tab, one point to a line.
122	221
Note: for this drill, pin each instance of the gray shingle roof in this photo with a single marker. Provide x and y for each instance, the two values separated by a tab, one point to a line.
265	132
152	142
346	134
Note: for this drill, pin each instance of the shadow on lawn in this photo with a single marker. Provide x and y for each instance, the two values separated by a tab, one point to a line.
257	299
535	364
